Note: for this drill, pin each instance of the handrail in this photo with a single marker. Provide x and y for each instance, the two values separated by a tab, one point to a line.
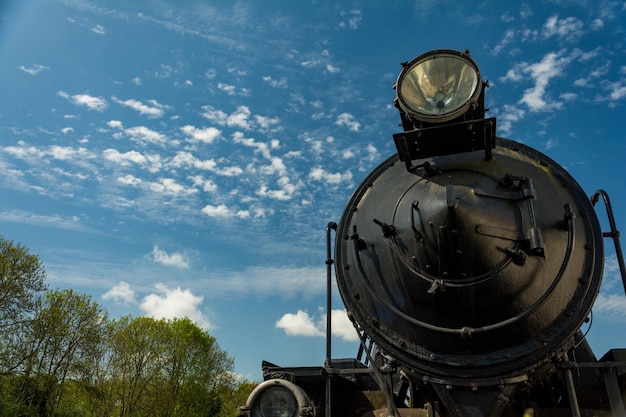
614	233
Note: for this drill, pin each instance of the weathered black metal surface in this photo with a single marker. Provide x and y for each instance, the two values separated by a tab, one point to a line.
468	269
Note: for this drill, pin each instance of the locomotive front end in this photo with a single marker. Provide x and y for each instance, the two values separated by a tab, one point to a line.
468	264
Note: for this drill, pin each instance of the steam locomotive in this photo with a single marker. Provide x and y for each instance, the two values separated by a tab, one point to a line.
468	264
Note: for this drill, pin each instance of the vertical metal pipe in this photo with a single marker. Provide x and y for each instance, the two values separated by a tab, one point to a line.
571	389
329	279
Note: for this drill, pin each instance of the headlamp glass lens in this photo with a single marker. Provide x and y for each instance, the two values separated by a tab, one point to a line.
438	85
277	402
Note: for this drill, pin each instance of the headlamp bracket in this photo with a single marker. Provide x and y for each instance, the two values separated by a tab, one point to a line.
447	139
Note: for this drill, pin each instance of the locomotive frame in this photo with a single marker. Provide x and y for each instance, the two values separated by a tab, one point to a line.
468	264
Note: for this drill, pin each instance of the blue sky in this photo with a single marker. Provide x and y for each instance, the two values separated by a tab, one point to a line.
184	158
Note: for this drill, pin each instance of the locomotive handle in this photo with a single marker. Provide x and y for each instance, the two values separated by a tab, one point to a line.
614	233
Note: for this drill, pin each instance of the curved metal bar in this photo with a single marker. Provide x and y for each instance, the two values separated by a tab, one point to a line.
614	233
569	217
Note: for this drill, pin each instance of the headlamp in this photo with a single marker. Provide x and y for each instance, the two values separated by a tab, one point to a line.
278	398
438	86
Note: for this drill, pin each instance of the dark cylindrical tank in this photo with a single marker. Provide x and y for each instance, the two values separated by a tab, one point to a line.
470	269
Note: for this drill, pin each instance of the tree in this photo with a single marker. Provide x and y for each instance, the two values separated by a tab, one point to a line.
196	370
66	341
135	362
167	368
235	398
22	281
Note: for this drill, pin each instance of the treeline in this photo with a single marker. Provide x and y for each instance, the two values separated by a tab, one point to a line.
60	355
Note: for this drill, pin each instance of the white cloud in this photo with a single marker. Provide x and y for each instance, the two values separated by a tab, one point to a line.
240	118
342	326
616	90
124	159
99	29
592	76
551	143
281	83
176	259
302	324
153	110
56	221
551	65
597	24
346	119
171	303
611	305
34	70
186	159
260	147
210	73
216	116
508	116
231	171
567	28
62	153
302	283
284	192
347	154
129	180
23	151
205	135
68	153
512	74
217	211
321	59
353	19
320	174
509	37
150	161
143	134
224	212
92	102
372	153
227	88
121	293
115	124
169	186
266	122
276	166
332	69
207	185
232	90
525	11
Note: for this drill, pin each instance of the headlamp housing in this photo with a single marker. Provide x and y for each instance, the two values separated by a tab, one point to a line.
439	86
441	99
278	398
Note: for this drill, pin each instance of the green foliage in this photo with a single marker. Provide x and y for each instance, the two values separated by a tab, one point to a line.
21	277
235	398
22	280
167	367
60	355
